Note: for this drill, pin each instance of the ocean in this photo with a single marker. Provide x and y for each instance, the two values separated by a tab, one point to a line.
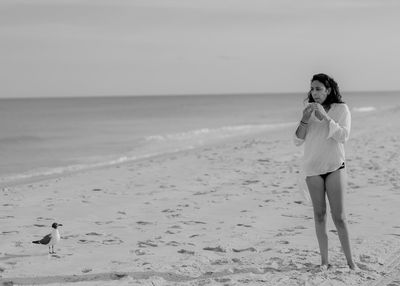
52	136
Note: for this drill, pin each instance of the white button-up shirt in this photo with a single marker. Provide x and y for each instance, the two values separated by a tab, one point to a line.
324	141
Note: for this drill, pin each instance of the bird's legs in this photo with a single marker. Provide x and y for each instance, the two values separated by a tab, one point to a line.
51	249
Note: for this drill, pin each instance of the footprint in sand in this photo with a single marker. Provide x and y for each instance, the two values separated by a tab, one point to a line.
193	222
172	213
244	225
103	222
146	243
215	249
184	206
40	225
249	182
184	251
297	216
205	192
290	231
365	258
236	260
275	262
283	242
113	241
9	232
94	234
220	262
173	243
251	249
85	241
175	229
143	222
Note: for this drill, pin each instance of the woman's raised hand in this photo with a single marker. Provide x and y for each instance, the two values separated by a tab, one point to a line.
307	113
320	112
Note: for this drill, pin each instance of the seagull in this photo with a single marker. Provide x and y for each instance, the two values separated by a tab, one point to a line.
51	239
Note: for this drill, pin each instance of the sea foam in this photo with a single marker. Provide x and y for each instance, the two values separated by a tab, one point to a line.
364	109
218	133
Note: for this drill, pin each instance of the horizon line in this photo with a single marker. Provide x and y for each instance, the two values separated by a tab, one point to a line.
189	94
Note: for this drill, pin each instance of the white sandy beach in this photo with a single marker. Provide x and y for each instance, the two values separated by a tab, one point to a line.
227	214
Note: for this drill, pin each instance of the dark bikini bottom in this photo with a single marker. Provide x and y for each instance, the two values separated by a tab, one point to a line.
323	176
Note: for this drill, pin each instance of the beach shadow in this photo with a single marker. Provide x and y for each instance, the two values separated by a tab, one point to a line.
170	277
60	279
12	256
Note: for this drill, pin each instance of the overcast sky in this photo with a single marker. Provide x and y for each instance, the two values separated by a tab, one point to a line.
139	47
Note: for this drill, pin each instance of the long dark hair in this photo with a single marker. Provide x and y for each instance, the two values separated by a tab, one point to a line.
334	96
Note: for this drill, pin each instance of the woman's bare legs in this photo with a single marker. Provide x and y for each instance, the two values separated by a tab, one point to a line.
316	186
335	187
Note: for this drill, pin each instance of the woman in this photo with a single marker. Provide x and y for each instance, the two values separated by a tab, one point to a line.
324	128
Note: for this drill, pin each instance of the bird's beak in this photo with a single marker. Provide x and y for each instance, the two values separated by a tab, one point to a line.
59	224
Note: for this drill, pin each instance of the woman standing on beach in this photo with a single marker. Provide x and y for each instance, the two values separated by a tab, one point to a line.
324	128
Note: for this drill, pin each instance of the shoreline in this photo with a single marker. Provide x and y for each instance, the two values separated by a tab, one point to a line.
226	213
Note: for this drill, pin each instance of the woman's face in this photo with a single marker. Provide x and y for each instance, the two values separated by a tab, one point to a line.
319	92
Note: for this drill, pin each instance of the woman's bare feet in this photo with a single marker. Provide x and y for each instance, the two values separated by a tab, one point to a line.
324	267
352	265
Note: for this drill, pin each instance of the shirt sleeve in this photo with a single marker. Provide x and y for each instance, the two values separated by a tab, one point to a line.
296	140
340	130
